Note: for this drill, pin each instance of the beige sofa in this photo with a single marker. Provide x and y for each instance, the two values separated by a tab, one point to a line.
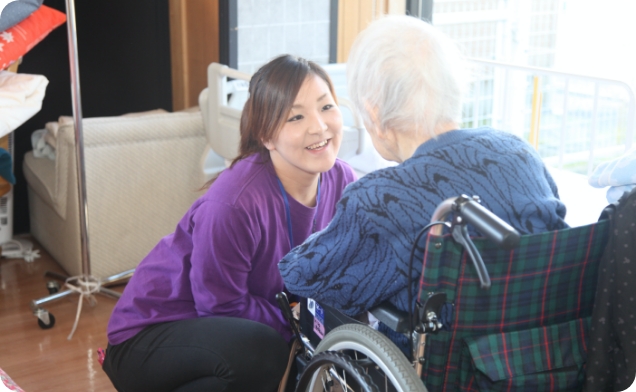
142	174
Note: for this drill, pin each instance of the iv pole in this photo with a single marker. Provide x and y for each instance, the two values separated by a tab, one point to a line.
85	285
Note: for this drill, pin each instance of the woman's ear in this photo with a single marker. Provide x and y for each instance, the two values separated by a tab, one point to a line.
269	145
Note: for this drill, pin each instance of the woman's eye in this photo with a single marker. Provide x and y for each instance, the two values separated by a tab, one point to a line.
295	118
327	107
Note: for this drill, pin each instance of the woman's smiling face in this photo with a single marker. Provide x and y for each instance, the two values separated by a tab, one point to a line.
310	138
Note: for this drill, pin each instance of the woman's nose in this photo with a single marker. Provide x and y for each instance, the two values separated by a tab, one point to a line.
318	124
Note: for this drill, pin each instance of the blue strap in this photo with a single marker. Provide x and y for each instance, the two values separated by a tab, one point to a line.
288	212
313	225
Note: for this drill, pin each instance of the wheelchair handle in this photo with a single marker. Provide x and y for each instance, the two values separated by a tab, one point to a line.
283	304
460	234
487	223
470	211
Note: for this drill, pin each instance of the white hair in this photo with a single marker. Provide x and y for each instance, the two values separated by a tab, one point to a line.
409	72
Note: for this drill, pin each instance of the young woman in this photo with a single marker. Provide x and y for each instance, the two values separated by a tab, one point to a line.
200	311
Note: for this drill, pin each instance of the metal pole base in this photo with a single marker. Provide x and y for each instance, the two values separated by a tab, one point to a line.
46	319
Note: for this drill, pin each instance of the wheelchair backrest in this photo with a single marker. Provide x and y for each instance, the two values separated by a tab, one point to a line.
529	330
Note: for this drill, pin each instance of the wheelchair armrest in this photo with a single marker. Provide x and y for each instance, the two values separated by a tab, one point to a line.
392	317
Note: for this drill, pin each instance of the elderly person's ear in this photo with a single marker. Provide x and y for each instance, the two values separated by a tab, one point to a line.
376	127
373	116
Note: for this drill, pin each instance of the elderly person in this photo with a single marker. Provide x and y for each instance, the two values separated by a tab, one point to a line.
404	77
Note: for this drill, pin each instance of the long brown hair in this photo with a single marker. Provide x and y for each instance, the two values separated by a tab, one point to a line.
272	92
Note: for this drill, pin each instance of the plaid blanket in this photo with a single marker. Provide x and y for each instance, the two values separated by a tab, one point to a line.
528	331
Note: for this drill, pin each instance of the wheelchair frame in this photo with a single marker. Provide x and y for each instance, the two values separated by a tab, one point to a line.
380	351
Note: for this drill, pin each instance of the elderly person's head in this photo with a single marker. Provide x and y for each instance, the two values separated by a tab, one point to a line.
406	79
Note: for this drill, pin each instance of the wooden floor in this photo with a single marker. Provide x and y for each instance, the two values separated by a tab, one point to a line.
44	360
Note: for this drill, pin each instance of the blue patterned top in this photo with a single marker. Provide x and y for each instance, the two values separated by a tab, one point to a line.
361	258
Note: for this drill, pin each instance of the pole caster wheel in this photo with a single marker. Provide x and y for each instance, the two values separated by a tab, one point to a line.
52	286
45	319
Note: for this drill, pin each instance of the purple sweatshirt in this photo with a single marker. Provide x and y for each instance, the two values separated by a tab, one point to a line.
222	258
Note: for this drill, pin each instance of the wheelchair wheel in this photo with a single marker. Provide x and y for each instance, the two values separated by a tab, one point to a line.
381	359
331	371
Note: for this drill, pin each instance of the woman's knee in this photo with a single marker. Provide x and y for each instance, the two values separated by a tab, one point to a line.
263	358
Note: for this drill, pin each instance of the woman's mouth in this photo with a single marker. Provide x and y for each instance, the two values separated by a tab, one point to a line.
319	145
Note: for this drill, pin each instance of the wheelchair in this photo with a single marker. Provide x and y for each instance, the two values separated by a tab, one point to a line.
517	322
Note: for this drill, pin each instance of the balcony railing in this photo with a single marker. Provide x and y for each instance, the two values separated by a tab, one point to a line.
574	121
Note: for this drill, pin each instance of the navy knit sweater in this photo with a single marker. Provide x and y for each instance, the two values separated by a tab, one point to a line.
362	257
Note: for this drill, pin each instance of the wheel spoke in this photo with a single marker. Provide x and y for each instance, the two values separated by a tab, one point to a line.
376	357
335	372
344	386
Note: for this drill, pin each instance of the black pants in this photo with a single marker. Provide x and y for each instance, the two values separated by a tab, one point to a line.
203	354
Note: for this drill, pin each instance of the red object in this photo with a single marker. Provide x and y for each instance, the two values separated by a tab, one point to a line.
16	41
8	383
101	355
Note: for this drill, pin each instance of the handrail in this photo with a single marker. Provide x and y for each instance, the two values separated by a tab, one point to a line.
567	76
550	72
233	73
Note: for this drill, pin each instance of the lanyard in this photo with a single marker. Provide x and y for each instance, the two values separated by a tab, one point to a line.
288	212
